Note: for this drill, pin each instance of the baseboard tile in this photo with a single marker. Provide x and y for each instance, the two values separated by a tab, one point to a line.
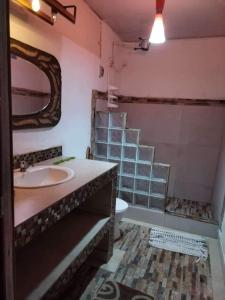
160	218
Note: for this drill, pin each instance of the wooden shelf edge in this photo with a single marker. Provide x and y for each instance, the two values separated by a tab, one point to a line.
71	257
47	283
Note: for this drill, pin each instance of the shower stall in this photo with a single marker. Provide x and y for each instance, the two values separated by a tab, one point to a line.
168	158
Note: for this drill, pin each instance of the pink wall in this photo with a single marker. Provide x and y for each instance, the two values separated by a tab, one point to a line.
177	69
77	49
27	75
189	138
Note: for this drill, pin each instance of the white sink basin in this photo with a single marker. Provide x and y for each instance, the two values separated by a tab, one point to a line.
42	176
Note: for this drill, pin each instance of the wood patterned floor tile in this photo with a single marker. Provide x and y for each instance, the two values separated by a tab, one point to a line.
200	211
162	274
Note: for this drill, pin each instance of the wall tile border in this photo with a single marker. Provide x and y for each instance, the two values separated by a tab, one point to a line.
151	100
37	156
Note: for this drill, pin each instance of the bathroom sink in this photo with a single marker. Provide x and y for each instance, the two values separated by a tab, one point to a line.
42	176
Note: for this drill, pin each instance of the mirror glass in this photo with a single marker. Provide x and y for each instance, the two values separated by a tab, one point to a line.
31	90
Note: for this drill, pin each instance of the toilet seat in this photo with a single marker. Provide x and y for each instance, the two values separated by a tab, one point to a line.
121	205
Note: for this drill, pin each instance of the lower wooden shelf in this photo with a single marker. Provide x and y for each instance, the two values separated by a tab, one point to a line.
42	262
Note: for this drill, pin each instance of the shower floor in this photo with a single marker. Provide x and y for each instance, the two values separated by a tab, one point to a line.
200	211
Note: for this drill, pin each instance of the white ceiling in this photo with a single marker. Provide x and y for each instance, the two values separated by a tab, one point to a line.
132	19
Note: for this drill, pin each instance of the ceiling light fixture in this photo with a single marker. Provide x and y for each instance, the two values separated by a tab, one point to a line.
157	35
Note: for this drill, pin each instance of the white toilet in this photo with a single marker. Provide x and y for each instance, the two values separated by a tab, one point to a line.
121	208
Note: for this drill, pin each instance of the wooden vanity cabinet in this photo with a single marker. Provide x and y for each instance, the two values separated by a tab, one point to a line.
47	267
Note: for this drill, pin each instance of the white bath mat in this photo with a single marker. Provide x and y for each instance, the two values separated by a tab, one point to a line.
179	242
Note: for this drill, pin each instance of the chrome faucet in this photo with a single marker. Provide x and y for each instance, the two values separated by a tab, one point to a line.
24	165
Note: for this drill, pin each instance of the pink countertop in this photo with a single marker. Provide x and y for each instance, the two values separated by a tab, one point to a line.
29	202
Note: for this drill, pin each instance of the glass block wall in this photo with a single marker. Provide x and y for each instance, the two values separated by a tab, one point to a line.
141	180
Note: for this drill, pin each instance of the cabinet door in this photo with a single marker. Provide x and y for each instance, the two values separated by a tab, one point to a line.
6	201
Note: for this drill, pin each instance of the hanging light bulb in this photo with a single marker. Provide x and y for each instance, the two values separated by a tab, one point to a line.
157	35
35	4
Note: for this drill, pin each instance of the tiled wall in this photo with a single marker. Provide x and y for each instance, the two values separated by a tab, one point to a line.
219	188
188	137
37	156
141	180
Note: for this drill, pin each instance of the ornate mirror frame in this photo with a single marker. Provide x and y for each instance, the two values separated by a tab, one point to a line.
50	115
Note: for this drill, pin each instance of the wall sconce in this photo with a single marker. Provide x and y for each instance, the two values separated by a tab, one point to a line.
34	6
